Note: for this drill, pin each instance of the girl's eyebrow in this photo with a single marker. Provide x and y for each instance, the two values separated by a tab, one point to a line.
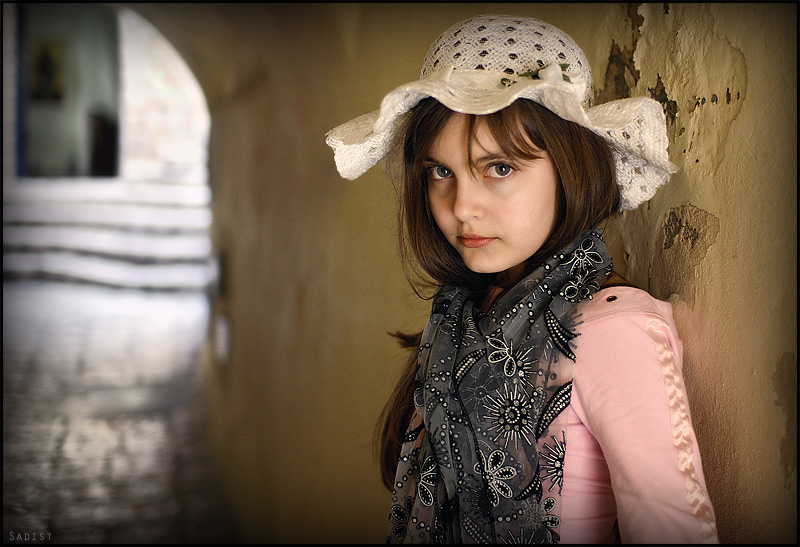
492	156
486	158
502	156
432	160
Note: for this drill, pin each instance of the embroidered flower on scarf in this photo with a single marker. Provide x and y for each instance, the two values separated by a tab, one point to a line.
419	399
525	370
476	499
447	326
427	481
537	516
559	335
471	333
475	394
549	521
580	287
510	413
554	462
496	474
521	539
504	353
399	516
583	258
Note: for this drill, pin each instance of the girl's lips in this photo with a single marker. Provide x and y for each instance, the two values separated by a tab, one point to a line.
473	241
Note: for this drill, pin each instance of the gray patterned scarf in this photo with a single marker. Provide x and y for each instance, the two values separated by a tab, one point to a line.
482	459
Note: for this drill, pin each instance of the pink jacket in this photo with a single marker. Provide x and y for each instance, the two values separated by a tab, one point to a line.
632	454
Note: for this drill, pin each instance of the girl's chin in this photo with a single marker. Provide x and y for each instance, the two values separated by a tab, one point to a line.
504	276
501	271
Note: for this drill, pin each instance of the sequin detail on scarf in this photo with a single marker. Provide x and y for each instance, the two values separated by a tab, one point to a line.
482	460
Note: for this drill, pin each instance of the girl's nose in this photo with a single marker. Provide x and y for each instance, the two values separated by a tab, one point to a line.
467	201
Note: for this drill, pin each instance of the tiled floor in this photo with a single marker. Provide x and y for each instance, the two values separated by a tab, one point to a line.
103	428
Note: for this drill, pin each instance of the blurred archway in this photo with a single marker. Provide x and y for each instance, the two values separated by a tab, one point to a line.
106	259
137	216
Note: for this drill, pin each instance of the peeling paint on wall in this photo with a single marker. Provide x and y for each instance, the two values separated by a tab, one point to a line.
636	19
710	95
621	75
660	94
683	241
784	381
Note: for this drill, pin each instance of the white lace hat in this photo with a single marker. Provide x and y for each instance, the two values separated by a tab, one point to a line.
483	64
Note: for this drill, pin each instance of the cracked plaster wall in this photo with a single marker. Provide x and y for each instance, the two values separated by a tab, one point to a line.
312	281
720	243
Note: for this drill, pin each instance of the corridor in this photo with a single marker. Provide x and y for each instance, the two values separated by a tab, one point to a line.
103	425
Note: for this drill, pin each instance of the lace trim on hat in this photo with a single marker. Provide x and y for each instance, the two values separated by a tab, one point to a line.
633	127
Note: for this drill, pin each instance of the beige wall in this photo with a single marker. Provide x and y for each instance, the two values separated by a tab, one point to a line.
312	278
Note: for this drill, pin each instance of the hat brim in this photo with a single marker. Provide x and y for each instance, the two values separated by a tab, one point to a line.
635	128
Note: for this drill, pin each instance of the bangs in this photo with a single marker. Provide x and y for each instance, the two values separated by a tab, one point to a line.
518	136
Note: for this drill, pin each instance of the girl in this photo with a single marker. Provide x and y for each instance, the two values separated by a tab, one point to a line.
544	402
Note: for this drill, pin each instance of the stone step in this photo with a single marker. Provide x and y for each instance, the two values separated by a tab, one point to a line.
98	190
101	270
121	216
150	235
127	245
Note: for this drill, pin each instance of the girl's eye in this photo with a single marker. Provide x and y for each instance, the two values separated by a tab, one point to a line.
437	172
500	170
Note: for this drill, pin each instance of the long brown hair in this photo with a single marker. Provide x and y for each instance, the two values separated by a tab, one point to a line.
587	195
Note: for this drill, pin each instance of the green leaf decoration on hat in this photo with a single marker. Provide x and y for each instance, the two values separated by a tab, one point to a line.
534	75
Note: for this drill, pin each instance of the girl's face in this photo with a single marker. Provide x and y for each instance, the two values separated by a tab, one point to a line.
497	211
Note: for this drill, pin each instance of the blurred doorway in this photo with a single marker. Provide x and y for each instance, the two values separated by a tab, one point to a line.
105	261
107	141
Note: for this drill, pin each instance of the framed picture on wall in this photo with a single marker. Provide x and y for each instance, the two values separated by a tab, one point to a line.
47	70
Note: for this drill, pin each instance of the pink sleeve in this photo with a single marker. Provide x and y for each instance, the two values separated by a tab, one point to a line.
628	378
